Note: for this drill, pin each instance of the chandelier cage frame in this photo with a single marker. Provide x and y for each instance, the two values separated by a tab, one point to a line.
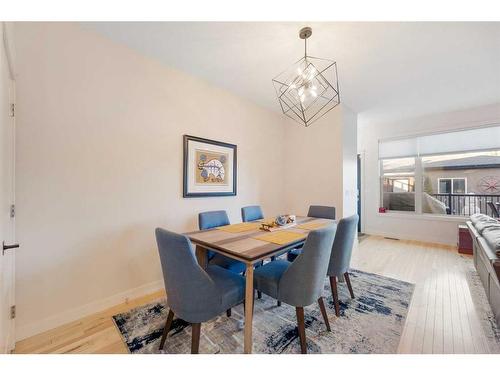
296	87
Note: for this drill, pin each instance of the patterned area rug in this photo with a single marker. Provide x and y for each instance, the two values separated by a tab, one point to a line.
370	323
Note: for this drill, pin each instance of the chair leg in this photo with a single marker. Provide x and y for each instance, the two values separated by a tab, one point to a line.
321	304
259	294
166	330
279	303
195	339
302	329
228	313
348	282
335	295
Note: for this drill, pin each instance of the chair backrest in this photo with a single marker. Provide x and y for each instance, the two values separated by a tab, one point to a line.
191	293
212	219
323	212
494	210
251	213
342	246
302	283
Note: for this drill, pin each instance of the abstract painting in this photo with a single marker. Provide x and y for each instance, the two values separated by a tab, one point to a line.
209	167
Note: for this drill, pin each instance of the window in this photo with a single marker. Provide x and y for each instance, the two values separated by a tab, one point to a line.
455	173
398	184
452	185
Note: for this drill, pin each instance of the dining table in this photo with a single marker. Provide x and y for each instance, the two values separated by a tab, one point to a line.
250	244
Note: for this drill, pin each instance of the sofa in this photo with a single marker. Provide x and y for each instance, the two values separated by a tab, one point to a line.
485	233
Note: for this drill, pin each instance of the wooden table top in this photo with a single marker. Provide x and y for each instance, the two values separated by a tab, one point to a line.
244	246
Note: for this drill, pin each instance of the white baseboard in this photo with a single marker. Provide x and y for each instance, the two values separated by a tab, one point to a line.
438	241
68	316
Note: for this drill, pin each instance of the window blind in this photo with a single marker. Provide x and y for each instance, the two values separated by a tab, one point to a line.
487	138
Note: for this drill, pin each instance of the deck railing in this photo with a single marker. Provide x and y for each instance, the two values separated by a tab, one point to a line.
468	204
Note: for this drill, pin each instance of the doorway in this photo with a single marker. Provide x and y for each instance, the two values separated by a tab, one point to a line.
359	191
7	226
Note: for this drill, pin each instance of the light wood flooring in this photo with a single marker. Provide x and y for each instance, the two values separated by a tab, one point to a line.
441	319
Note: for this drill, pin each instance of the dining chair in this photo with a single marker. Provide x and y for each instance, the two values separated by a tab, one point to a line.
213	219
320	212
300	283
340	258
194	295
323	212
251	213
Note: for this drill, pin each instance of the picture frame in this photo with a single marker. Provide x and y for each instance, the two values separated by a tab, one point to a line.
209	168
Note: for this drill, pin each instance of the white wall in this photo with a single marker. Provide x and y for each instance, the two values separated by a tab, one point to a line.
349	162
321	163
99	166
404	225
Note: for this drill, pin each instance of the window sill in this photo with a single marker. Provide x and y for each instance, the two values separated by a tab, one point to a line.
428	217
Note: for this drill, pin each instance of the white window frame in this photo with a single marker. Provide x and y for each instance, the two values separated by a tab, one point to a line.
451	179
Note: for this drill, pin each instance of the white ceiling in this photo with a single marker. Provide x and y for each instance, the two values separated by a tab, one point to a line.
387	71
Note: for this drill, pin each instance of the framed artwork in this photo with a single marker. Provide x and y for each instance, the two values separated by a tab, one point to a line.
209	168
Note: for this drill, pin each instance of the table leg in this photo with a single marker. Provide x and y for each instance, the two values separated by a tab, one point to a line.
248	309
202	256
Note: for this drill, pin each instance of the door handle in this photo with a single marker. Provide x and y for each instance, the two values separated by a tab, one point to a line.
8	247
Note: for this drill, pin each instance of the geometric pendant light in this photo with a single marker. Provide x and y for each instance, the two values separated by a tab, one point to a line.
309	88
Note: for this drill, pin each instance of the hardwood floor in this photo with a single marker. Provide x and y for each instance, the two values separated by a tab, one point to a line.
442	317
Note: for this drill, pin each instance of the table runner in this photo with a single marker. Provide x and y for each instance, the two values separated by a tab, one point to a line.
240	227
281	237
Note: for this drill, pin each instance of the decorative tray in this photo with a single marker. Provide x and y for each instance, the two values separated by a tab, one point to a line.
280	222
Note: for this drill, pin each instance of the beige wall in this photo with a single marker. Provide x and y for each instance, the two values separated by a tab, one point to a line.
99	162
321	163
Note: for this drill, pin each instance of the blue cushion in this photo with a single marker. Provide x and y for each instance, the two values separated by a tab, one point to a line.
292	254
266	278
230	285
228	263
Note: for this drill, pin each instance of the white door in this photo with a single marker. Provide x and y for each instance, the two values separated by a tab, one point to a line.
7	235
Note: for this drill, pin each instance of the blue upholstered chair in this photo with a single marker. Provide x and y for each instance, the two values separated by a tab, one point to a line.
251	213
194	295
213	219
300	283
341	256
321	212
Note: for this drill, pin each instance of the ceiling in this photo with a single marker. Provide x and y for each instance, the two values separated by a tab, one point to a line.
387	71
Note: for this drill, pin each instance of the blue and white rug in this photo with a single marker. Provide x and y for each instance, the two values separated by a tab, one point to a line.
370	323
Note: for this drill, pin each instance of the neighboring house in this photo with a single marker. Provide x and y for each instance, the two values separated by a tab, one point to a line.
462	185
468	175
